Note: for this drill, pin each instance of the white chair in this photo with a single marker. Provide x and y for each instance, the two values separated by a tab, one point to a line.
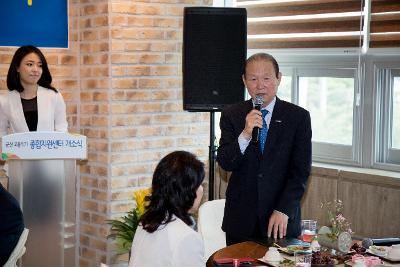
209	226
18	251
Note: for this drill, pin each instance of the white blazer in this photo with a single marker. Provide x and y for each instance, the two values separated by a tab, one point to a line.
51	112
172	245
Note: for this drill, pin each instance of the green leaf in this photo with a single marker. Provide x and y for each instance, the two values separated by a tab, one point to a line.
123	231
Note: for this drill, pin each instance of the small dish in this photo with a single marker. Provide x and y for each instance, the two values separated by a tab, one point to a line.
269	263
379	250
272	255
289	250
297	247
365	261
394	252
385	258
282	262
350	263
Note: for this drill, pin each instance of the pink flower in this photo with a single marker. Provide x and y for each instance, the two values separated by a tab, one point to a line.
340	218
339	223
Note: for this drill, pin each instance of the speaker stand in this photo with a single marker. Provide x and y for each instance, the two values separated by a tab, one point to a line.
211	157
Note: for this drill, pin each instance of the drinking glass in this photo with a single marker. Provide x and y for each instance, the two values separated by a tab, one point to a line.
302	258
308	230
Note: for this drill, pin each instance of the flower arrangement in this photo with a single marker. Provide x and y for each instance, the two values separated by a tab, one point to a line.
338	222
123	230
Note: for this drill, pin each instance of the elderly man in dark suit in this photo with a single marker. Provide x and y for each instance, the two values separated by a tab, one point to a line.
269	177
11	224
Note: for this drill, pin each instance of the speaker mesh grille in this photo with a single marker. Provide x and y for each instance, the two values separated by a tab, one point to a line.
214	52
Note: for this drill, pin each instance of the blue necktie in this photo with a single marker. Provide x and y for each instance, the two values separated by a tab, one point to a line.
263	130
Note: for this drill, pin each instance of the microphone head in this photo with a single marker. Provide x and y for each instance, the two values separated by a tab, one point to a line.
367	242
258	102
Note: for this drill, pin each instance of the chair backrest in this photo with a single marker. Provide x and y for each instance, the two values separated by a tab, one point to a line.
209	226
19	250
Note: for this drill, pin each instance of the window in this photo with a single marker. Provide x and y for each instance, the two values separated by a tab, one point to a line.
329	93
396	113
285	88
341	61
330	102
388	119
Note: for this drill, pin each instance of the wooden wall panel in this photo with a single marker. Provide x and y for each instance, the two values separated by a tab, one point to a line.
320	189
373	209
371	198
371	202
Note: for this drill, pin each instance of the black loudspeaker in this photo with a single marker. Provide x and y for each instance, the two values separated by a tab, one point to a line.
214	53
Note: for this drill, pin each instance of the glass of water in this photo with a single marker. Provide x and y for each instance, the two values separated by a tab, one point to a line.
308	230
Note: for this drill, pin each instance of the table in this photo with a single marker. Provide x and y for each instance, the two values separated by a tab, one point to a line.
251	249
241	250
254	250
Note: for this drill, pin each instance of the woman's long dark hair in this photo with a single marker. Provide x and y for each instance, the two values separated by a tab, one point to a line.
13	80
175	182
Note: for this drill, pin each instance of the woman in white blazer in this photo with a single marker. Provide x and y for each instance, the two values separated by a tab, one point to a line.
32	103
164	237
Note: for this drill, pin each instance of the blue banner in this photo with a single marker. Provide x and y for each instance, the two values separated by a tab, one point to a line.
42	23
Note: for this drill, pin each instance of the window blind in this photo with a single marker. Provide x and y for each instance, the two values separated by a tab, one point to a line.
385	23
303	23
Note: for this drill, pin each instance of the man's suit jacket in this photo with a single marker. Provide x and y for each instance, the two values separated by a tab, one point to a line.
51	112
263	182
11	224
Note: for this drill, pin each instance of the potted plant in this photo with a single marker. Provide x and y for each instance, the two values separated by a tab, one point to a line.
123	229
338	235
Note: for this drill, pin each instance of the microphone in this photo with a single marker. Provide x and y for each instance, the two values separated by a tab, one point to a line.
367	242
258	102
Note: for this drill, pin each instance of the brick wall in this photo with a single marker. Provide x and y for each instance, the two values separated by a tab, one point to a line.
121	80
95	87
147	120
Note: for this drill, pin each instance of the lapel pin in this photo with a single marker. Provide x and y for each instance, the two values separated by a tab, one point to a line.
278	121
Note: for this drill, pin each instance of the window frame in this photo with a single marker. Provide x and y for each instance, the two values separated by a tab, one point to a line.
385	156
333	152
369	103
339	66
366	150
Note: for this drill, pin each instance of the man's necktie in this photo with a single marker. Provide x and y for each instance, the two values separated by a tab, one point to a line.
264	130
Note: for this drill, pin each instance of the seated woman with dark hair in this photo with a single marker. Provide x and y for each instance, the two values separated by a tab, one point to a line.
164	236
11	224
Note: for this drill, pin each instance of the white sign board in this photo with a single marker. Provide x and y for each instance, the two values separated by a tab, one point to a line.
43	145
